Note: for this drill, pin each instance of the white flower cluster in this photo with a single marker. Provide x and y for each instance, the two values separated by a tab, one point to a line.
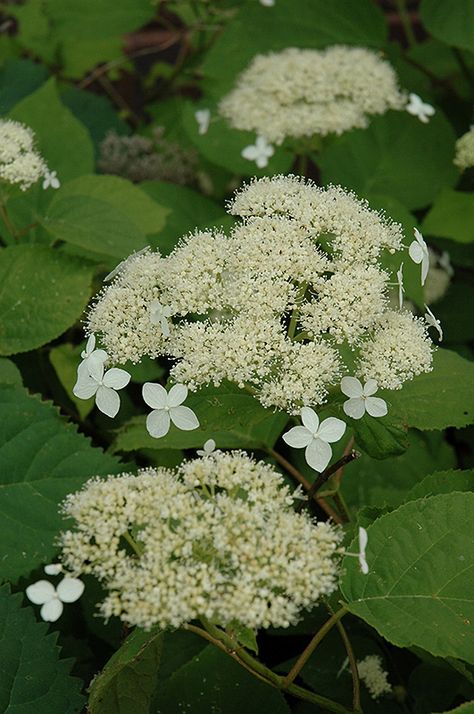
464	157
374	676
303	92
20	163
218	539
274	305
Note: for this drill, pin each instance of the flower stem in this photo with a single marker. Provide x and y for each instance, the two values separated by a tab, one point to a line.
406	22
323	477
8	222
133	544
309	649
353	665
305	483
294	315
220	639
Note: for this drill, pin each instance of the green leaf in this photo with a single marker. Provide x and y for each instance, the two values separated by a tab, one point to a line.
244	635
92	33
457	322
434	687
441	398
43	292
233	418
65	359
467	708
18	78
419	590
442	482
34	679
127	682
94	225
122	195
396	155
381	437
451	216
316	23
61	138
213	682
42	460
9	372
378	483
188	209
452	24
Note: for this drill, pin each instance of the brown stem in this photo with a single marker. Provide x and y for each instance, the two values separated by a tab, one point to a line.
306	484
309	649
338	466
353	665
8	223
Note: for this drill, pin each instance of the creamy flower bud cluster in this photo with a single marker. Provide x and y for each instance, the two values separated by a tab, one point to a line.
302	92
374	676
290	301
217	539
464	157
20	163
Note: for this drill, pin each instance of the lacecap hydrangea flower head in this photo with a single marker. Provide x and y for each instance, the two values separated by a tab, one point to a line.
293	299
304	92
20	162
218	539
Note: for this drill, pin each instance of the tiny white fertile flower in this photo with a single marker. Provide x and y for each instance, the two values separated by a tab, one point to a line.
267	3
51	179
361	399
445	262
363	540
91	381
432	321
259	152
401	289
53	569
44	593
167	408
123	264
203	118
159	315
207	449
419	108
418	252
315	437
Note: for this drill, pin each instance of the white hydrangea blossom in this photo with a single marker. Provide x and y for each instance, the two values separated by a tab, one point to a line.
20	163
259	152
464	156
374	676
50	598
303	92
218	539
418	108
273	305
314	437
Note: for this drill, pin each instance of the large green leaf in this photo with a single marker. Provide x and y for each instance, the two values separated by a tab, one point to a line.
233	418
213	682
419	590
467	708
42	293
33	678
9	372
442	482
450	23
127	682
451	216
438	399
61	138
378	483
397	155
42	459
18	78
312	23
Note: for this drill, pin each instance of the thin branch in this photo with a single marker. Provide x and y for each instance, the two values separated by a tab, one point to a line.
337	467
306	484
353	665
309	649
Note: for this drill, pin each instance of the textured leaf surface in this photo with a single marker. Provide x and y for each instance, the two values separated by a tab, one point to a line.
396	155
213	682
42	459
438	399
419	590
127	682
454	28
62	139
33	678
443	482
231	417
42	293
